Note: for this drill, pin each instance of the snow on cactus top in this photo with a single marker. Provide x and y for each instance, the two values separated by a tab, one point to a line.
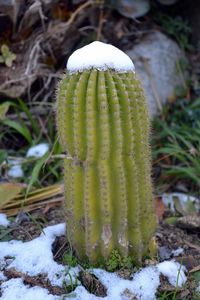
101	56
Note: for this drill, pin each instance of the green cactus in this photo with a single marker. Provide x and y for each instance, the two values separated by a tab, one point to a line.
103	126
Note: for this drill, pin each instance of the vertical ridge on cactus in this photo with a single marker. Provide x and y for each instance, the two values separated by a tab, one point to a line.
103	126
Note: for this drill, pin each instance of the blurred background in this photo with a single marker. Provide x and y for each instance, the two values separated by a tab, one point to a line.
36	38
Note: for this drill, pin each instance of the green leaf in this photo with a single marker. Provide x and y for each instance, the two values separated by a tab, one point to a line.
8	62
197	277
4	107
3	155
171	220
36	171
4	50
9	59
23	130
5	235
7	56
33	122
9	191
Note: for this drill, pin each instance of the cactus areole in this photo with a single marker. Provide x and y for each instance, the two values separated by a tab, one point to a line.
103	127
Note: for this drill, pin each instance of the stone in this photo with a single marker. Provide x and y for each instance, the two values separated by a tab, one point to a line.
156	59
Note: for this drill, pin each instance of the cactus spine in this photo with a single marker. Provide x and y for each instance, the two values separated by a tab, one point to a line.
103	127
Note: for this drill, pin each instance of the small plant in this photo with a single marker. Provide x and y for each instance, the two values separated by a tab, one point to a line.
103	126
22	128
69	259
117	262
176	143
177	28
71	286
7	57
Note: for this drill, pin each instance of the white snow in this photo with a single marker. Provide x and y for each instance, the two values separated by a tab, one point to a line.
15	168
38	150
15	289
35	257
101	56
2	276
184	199
198	288
143	285
174	272
3	220
177	252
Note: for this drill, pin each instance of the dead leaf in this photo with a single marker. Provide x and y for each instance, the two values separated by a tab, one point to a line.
8	191
50	195
159	208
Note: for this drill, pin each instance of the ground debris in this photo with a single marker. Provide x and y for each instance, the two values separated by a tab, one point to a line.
189	222
92	284
128	295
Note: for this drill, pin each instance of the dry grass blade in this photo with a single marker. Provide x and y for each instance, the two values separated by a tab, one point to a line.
8	192
34	200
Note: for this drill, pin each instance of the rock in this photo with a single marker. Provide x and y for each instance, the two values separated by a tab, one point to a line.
155	58
132	9
191	223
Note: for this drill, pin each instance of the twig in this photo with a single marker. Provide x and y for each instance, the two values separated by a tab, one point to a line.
59	250
22	78
34	55
178	65
195	269
79	9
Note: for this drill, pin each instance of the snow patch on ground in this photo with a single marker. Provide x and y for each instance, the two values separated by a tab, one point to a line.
3	220
35	257
38	150
177	252
2	276
173	271
198	288
143	285
15	168
15	289
184	200
101	56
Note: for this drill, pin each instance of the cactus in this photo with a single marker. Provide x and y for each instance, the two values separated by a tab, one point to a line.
103	127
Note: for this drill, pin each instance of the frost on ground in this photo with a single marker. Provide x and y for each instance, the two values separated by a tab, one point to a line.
108	57
3	220
36	257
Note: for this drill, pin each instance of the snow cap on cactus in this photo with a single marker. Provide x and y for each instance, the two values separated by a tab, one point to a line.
101	56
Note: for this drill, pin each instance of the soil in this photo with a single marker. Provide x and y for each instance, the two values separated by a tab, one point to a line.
169	238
